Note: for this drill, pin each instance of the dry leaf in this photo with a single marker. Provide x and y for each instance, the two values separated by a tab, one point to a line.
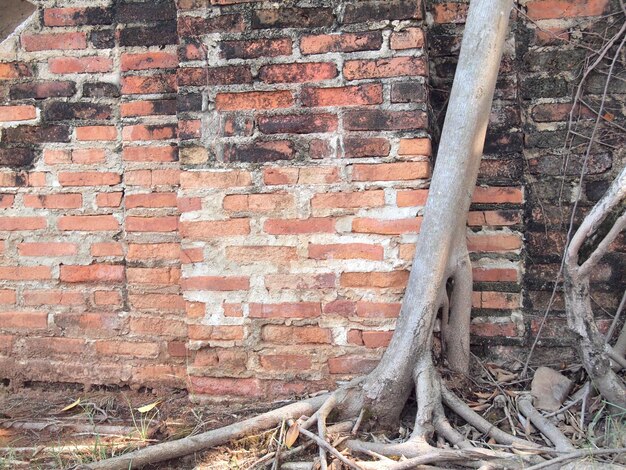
146	408
73	405
292	434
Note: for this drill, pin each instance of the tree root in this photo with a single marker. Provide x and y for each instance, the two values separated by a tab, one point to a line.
556	437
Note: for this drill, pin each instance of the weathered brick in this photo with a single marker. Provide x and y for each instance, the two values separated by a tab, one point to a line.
207	230
17	113
548	9
383	68
391	171
260	151
343	96
53	201
93	273
89	178
292	18
285	310
297	123
64	65
149	60
88	223
148	108
380	10
261	254
63	111
366	147
300	282
252	49
140	84
152	224
36	134
216	283
42	89
293	226
345	42
450	12
281	362
198	26
162	34
351	365
346	251
215	179
96	133
382	120
55	41
77	16
254	100
298	72
345	200
410	38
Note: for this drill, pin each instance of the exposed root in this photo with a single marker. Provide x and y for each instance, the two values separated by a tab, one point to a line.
323	444
556	437
322	416
480	423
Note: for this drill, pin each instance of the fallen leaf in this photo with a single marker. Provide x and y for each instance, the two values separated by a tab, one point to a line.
69	407
549	388
292	434
146	408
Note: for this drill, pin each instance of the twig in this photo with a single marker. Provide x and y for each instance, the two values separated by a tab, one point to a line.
357	425
616	318
577	455
322	443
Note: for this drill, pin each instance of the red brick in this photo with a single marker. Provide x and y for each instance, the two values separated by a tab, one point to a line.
557	9
259	203
149	154
171	303
279	334
420	146
7	296
298	73
254	100
142	132
210	229
88	223
346	42
285	310
53	201
495	275
494	243
6	344
297	226
392	279
25	273
366	147
491	329
297	124
362	199
450	12
386	226
221	387
378	309
281	362
304	175
47	249
384	68
45	346
376	339
52	297
401	171
163	107
152	178
216	283
6	200
96	133
261	254
256	48
13	70
215	179
92	273
300	282
347	251
57	41
63	65
109	199
17	113
153	200
495	195
89	178
410	38
107	249
149	60
12	224
156	276
158	327
344	308
24	320
144	85
358	95
154	251
352	365
127	348
496	300
495	218
412	197
215	333
108	298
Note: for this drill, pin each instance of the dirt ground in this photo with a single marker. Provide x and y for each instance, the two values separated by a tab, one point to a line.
46	427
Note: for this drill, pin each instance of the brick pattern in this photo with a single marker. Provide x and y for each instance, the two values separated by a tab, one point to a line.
224	195
533	100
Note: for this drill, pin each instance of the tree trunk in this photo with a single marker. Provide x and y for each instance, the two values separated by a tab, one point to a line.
441	252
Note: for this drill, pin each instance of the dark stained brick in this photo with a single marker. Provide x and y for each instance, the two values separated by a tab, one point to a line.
292	18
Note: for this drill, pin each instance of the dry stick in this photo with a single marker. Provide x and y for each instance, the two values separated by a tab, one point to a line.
206	440
577	455
322	443
459	407
548	429
322	415
616	318
586	73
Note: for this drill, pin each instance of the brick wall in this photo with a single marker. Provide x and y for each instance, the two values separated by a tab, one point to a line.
222	195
